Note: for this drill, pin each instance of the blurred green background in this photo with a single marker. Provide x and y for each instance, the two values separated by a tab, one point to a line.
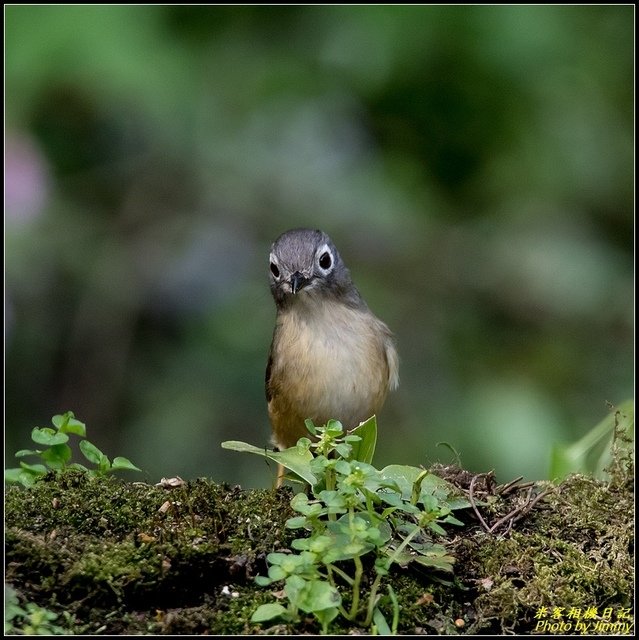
473	164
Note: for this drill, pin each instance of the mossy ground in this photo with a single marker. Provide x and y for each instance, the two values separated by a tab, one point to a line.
131	558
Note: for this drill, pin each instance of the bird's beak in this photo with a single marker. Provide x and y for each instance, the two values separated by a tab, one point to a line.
298	281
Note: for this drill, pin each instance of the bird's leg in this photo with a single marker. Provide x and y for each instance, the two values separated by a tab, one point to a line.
281	473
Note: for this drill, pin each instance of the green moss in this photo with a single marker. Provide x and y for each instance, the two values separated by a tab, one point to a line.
575	551
130	558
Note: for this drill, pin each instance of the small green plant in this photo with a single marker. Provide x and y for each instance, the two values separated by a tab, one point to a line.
594	452
30	619
57	454
358	522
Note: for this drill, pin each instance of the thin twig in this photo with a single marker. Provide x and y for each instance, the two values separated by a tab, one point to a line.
474	506
510	486
519	511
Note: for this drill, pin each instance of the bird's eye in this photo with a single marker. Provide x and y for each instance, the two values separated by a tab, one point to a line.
275	270
325	260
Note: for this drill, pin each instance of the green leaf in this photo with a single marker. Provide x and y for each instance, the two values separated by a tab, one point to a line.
343	450
48	436
76	427
77	466
433	526
38	469
301	504
57	456
27	452
310	425
293	586
94	455
297	522
13	476
120	463
344	549
318	596
68	424
436	557
403	558
317	544
334	428
334	500
431	485
276	573
325	617
276	557
364	449
380	623
453	520
268	611
26	474
444	563
417	487
343	467
294	459
60	420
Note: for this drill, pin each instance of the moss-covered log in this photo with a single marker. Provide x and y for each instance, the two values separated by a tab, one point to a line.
127	558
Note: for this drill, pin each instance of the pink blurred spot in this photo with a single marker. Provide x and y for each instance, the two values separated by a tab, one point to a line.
26	179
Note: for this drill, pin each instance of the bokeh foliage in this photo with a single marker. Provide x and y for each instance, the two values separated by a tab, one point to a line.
473	164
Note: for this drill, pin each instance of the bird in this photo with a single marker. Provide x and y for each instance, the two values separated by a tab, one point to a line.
330	356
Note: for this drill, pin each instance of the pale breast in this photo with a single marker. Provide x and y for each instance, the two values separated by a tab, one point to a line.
335	363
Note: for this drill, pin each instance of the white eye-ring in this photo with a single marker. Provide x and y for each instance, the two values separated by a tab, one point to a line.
275	270
325	259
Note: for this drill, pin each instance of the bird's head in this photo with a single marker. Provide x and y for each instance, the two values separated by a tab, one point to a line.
305	262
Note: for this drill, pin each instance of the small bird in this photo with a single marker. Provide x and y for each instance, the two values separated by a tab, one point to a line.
330	356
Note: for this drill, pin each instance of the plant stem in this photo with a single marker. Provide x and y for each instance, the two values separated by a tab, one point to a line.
342	574
402	546
359	569
373	595
331	579
330	486
372	600
393	598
